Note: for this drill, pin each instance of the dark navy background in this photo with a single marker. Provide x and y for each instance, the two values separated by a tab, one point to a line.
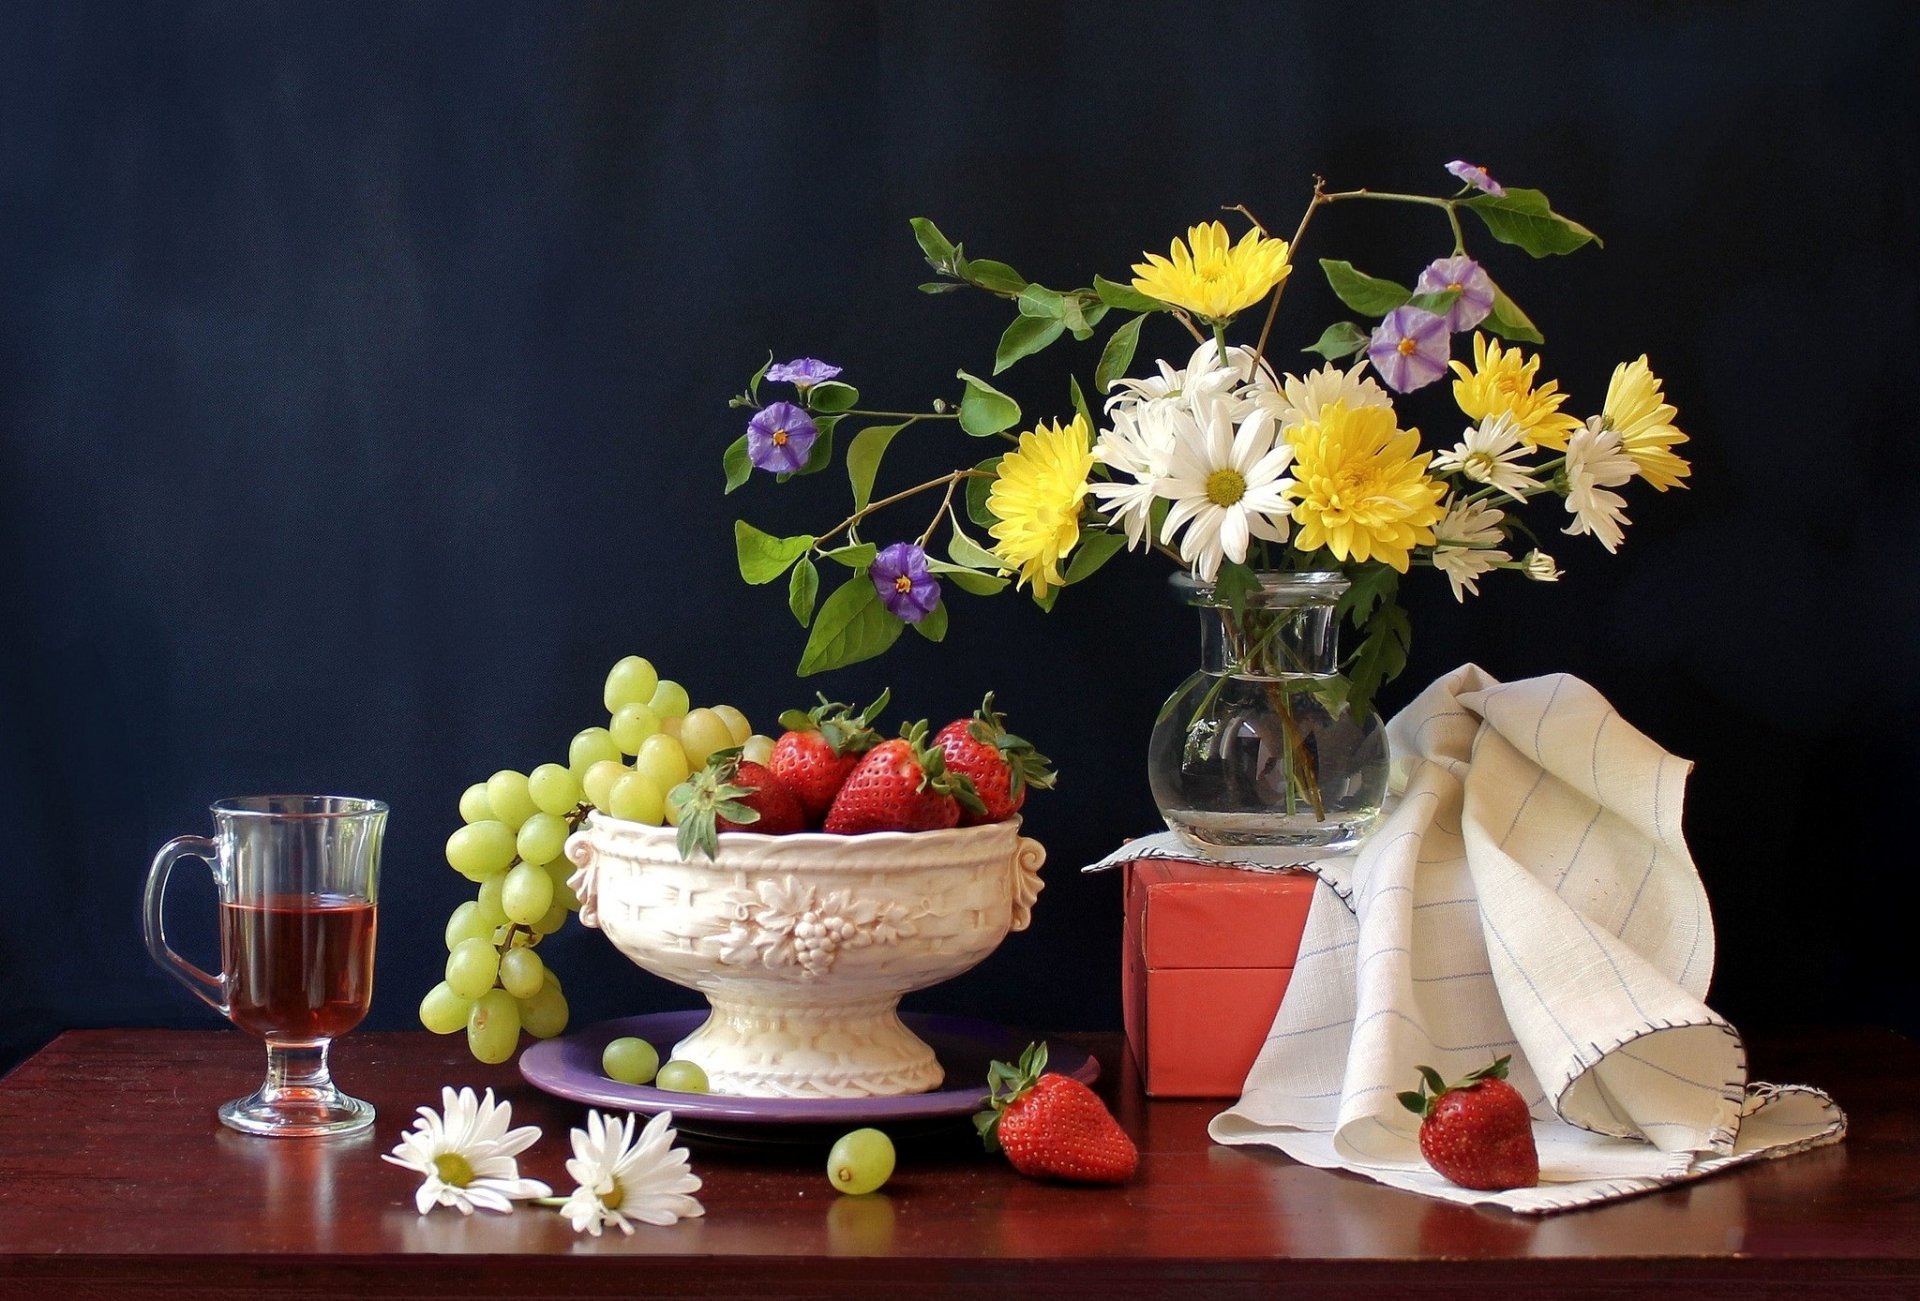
363	378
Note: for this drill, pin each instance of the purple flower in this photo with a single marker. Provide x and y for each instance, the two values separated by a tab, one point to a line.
802	372
779	438
1477	177
900	574
1476	290
1409	349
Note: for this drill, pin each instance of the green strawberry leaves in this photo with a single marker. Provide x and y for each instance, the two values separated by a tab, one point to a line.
1007	1083
1433	1088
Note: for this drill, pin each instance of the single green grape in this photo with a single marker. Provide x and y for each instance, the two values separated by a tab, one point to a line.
542	837
636	798
488	903
681	1076
737	725
588	747
600	779
663	761
527	894
757	749
560	870
554	789
630	1061
522	973
553	918
443	1011
631	681
473	803
861	1161
467	923
493	1027
669	699
472	968
479	849
631	725
545	1014
701	733
508	797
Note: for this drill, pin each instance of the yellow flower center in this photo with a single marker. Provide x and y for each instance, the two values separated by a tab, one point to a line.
1225	487
1407	346
1453	285
612	1198
903	584
1479	466
453	1169
779	438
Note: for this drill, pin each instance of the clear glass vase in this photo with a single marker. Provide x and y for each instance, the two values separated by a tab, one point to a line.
1259	749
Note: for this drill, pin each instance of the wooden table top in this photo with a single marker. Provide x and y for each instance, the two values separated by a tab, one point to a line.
117	1180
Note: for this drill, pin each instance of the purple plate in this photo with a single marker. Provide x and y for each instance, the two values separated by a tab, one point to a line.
569	1067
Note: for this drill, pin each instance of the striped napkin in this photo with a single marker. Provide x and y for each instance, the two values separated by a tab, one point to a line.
1528	893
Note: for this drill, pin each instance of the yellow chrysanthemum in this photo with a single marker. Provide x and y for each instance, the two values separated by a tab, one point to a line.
1502	381
1214	279
1362	486
1637	410
1037	498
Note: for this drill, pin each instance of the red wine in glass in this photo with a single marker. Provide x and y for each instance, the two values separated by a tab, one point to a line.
300	966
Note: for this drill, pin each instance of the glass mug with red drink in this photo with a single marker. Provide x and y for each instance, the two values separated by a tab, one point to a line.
298	877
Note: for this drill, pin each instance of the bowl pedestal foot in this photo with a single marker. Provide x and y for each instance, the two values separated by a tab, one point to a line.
851	1049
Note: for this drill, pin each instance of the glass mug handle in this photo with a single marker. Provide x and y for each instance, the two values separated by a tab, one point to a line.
211	989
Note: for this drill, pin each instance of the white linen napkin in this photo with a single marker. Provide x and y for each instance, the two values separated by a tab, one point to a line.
1528	893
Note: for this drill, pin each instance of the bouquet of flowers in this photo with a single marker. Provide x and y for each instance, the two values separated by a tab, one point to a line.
1222	460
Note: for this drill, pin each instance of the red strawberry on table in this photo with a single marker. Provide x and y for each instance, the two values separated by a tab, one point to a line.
733	794
1477	1133
820	748
1000	765
901	785
1053	1126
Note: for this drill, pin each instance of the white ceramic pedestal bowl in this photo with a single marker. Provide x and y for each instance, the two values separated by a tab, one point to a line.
803	944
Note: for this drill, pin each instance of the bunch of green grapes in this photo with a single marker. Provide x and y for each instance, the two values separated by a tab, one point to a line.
510	844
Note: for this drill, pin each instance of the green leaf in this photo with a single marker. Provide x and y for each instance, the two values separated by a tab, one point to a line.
739	465
1523	218
764	557
1368	295
1125	297
1382	653
985	409
1117	355
1097	547
753	385
1080	402
1414	1102
851	626
1339	340
1432	1078
802	588
1026	336
965	551
1234	583
820	455
941	286
863	459
831	395
997	276
934	626
937	247
858	555
1436	302
1046	601
968	580
1038	300
1509	322
1082	313
977	490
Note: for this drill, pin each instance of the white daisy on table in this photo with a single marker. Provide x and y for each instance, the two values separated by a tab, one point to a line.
1489	453
622	1180
1596	461
1540	567
1298	400
467	1154
1464	547
1139	447
1228	487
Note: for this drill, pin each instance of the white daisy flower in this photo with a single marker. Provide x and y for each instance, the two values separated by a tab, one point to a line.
1489	454
1463	545
1226	486
1596	461
1540	567
1140	447
1203	377
621	1180
1298	401
467	1155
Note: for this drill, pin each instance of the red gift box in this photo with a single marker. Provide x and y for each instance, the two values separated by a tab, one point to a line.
1205	961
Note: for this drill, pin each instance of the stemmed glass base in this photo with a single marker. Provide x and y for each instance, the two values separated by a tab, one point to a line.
298	1098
